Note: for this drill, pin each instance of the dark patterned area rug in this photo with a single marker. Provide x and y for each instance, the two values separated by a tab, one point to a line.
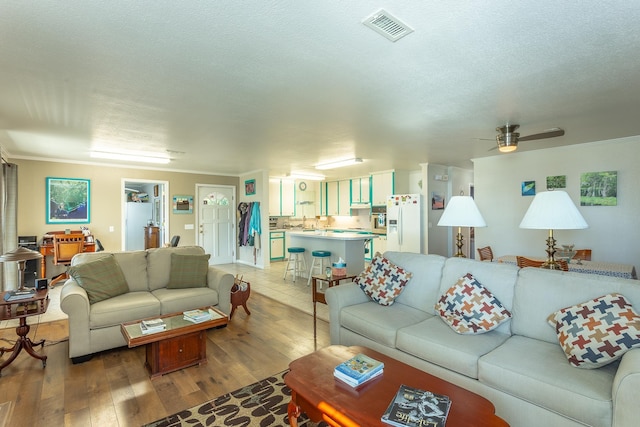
263	403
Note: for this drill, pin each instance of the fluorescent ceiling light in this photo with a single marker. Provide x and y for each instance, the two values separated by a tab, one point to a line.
129	157
339	163
309	177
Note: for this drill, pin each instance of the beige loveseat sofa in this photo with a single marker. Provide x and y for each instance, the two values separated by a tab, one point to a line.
519	366
96	327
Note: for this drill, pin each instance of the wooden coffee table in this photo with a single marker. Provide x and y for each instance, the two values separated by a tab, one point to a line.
317	393
182	344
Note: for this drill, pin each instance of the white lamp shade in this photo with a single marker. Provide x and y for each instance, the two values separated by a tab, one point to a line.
462	212
553	210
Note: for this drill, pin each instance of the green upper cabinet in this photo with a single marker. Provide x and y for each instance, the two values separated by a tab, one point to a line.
281	197
382	186
360	189
344	197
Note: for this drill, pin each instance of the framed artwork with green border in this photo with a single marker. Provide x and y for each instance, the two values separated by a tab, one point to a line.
68	201
250	187
182	204
528	188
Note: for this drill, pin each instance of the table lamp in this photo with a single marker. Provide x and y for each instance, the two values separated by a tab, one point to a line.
21	255
461	212
552	210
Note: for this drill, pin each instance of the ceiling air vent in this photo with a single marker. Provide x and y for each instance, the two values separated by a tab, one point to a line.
388	25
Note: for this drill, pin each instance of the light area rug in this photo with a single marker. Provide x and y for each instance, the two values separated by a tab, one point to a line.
54	312
263	403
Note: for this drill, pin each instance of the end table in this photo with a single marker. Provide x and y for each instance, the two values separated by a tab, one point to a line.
21	309
317	295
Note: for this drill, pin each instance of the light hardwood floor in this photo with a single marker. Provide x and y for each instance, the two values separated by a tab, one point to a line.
113	388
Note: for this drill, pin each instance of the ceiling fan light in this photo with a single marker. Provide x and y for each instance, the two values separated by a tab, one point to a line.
507	142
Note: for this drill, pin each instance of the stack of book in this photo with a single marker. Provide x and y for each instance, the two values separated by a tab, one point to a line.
152	326
197	316
358	370
412	407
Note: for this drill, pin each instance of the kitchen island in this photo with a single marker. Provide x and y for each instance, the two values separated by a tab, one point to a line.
348	246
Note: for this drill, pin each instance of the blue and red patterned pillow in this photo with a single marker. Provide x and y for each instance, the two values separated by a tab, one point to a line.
382	280
469	308
597	332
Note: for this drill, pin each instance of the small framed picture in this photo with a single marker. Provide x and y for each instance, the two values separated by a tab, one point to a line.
250	187
182	204
155	191
528	188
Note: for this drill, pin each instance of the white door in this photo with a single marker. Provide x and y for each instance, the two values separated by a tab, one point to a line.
216	222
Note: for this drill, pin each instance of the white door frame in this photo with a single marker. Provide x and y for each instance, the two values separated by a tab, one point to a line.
123	206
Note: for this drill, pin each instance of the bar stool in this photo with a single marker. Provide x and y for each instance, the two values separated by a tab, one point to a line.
319	256
295	262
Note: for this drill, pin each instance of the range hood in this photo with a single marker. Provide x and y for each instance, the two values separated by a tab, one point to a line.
360	206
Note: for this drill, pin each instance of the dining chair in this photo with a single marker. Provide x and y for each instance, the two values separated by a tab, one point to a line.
486	254
528	262
583	254
65	246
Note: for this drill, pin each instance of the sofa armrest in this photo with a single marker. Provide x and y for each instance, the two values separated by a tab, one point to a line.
221	282
337	298
75	303
626	384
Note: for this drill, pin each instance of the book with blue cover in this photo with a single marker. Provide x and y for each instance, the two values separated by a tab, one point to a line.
358	369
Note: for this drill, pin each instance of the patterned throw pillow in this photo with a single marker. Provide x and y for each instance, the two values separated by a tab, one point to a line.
597	332
469	308
101	279
188	271
382	281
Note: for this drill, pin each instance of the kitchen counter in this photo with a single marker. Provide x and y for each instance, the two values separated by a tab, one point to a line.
346	245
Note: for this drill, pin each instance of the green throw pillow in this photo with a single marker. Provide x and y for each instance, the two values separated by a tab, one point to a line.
188	271
102	278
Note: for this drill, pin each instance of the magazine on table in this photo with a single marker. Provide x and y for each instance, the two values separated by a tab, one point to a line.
153	325
412	407
351	382
197	316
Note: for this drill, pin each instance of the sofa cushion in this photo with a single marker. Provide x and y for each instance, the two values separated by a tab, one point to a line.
498	277
123	308
159	263
380	323
177	300
101	278
188	271
434	341
470	308
537	371
597	332
382	280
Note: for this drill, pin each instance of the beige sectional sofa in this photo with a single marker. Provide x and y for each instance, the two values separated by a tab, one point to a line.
96	327
519	366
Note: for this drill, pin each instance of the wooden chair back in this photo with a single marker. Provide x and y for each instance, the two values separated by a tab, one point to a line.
528	262
486	254
65	246
583	254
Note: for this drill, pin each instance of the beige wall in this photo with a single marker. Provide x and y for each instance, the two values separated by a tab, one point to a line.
106	197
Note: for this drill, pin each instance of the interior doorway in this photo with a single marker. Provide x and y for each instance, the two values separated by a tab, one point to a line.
144	204
216	222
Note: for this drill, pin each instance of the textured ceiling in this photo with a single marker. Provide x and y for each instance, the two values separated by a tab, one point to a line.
236	86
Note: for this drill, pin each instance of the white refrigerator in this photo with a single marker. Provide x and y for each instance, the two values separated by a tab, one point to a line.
404	231
138	216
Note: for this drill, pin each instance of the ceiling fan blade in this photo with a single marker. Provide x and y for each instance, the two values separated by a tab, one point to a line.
551	133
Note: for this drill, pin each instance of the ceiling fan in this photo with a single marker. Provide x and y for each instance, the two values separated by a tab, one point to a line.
508	138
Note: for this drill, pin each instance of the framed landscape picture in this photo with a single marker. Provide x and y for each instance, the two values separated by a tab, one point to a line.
182	204
528	188
68	201
599	189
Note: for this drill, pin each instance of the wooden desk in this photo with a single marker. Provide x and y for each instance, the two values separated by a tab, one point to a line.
317	295
21	309
46	249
